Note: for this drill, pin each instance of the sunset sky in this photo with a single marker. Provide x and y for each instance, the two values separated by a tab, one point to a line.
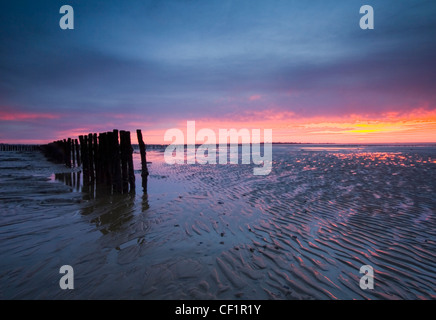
302	68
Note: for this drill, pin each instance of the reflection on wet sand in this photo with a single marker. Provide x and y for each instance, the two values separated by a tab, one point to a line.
118	210
71	179
108	211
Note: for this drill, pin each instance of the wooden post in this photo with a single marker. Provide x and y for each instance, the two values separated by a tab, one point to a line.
129	150
84	149
117	183
64	151
72	152
108	166
91	157
144	169
124	171
96	158
101	177
61	152
110	159
76	143
82	157
68	152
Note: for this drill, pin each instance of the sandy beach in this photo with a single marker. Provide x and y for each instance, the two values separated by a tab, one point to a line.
220	232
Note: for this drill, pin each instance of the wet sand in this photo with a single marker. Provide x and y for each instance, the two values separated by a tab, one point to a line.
219	232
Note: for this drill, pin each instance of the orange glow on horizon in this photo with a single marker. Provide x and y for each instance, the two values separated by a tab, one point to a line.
418	126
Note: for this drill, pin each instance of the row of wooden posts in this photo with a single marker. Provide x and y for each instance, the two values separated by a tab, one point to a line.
106	159
18	147
63	151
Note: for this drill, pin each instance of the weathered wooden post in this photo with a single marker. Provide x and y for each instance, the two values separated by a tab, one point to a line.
129	150
144	169
117	183
73	158
101	177
63	143
110	142
91	157
82	151
96	158
68	152
85	159
76	143
124	170
107	163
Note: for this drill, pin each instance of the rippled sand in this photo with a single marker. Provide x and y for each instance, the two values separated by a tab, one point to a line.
219	232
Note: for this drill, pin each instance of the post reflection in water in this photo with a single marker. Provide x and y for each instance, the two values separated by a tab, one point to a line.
145	205
71	179
108	211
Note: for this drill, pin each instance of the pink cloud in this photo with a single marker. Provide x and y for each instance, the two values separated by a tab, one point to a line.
18	116
255	97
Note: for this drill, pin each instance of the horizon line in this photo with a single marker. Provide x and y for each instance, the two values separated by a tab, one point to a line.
273	143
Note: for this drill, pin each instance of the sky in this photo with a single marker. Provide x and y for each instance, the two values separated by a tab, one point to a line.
304	69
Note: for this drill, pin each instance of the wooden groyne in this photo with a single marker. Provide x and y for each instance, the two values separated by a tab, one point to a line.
62	151
19	147
106	159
